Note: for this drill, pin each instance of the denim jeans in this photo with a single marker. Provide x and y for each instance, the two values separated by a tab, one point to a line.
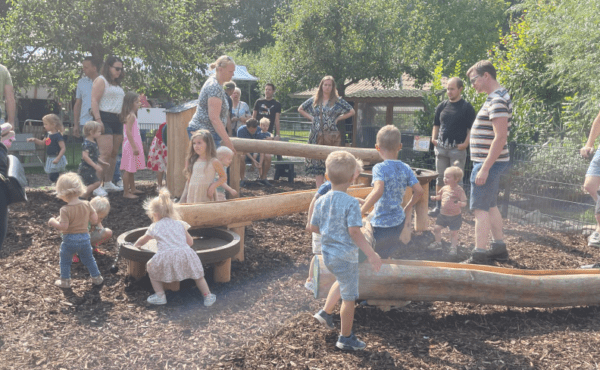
387	239
77	244
485	196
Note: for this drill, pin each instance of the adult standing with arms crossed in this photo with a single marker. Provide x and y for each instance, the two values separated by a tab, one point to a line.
269	108
107	101
83	95
451	133
324	110
592	176
489	151
6	94
212	110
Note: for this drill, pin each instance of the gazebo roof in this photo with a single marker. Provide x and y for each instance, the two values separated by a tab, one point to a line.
241	74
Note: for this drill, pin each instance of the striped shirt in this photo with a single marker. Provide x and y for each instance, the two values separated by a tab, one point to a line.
498	104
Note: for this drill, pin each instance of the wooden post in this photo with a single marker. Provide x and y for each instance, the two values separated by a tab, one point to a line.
240	229
222	271
136	269
421	209
178	119
406	234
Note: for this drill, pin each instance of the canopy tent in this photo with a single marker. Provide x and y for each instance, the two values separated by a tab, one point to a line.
241	74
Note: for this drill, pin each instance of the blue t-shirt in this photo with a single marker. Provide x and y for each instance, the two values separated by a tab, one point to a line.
396	176
52	147
334	213
324	188
244	133
264	135
84	92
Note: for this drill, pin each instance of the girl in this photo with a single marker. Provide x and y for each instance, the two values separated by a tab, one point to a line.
133	152
55	146
89	168
157	156
73	223
200	168
174	259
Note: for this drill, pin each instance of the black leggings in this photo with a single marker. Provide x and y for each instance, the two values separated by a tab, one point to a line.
3	212
53	176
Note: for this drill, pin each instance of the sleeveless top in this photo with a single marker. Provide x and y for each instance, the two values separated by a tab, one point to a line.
112	99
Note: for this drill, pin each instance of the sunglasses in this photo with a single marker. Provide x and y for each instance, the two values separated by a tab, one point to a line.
474	78
118	69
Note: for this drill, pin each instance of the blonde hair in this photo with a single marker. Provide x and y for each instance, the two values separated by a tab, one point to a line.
340	167
192	156
222	61
359	165
91	127
55	121
265	121
161	205
389	137
333	98
455	171
239	91
101	205
69	185
223	150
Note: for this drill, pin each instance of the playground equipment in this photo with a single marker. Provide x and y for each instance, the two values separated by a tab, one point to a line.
399	281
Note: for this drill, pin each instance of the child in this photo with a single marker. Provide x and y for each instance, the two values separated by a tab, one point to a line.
201	166
225	156
73	223
390	179
453	197
157	156
316	238
132	152
89	169
55	146
337	218
98	233
263	135
174	259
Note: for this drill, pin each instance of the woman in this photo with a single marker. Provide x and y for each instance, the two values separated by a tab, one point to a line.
325	110
107	101
240	111
3	191
213	108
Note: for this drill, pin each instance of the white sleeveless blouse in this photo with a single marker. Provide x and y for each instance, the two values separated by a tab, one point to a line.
112	99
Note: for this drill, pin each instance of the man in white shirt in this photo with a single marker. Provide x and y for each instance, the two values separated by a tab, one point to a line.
83	96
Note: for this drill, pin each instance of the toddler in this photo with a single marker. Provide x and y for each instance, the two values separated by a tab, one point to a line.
89	169
56	162
73	223
453	198
132	158
174	259
98	233
225	156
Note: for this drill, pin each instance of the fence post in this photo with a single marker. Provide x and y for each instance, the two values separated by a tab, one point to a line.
512	146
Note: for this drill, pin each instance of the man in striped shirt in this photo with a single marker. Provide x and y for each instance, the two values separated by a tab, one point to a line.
489	152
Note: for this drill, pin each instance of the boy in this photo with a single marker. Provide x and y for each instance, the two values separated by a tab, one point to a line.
89	168
264	135
251	131
337	218
390	180
225	156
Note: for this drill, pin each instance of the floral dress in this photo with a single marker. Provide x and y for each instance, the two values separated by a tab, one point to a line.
157	156
316	167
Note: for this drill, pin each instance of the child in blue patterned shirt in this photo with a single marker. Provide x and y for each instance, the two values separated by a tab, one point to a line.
390	180
337	218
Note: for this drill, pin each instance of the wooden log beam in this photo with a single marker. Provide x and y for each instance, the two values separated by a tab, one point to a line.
402	280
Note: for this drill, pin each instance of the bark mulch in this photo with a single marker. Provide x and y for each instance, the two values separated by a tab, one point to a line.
263	317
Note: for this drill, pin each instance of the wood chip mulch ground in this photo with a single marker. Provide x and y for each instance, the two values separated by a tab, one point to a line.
263	317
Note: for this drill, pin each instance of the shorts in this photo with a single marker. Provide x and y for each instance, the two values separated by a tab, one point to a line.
316	243
249	161
346	274
594	168
215	136
112	123
485	196
88	175
387	239
445	158
452	222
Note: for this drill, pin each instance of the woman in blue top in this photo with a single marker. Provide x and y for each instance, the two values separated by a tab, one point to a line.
324	110
213	108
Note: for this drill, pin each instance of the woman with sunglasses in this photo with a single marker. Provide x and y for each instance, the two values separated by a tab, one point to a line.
107	101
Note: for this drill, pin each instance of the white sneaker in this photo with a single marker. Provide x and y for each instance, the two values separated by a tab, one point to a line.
110	187
100	192
209	300
120	184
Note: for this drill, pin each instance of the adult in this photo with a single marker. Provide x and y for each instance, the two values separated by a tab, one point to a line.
240	111
212	110
489	152
83	95
107	101
270	108
251	131
229	89
451	133
592	176
324	110
6	95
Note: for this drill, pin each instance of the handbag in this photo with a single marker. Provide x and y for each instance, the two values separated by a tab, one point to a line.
328	137
15	181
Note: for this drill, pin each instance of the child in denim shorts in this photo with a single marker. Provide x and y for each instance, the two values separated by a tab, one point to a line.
337	218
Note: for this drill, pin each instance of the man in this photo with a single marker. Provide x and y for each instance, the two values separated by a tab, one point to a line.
251	131
489	152
229	89
592	177
7	97
83	96
270	108
451	133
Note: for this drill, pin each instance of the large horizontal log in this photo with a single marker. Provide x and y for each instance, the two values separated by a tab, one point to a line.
301	150
400	280
213	214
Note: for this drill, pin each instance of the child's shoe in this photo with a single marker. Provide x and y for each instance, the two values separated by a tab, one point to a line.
453	250
350	343
435	246
75	259
325	319
97	280
209	300
63	283
156	299
310	285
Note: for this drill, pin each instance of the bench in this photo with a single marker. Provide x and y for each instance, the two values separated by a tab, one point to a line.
285	168
22	149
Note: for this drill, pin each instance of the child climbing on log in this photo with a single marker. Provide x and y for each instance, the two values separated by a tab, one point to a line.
200	169
73	223
390	180
453	198
174	259
337	218
316	238
225	156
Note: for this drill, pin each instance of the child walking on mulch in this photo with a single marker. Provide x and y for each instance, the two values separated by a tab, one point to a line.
73	223
133	153
56	162
174	260
157	155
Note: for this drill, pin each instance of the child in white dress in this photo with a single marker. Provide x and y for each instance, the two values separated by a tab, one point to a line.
174	259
